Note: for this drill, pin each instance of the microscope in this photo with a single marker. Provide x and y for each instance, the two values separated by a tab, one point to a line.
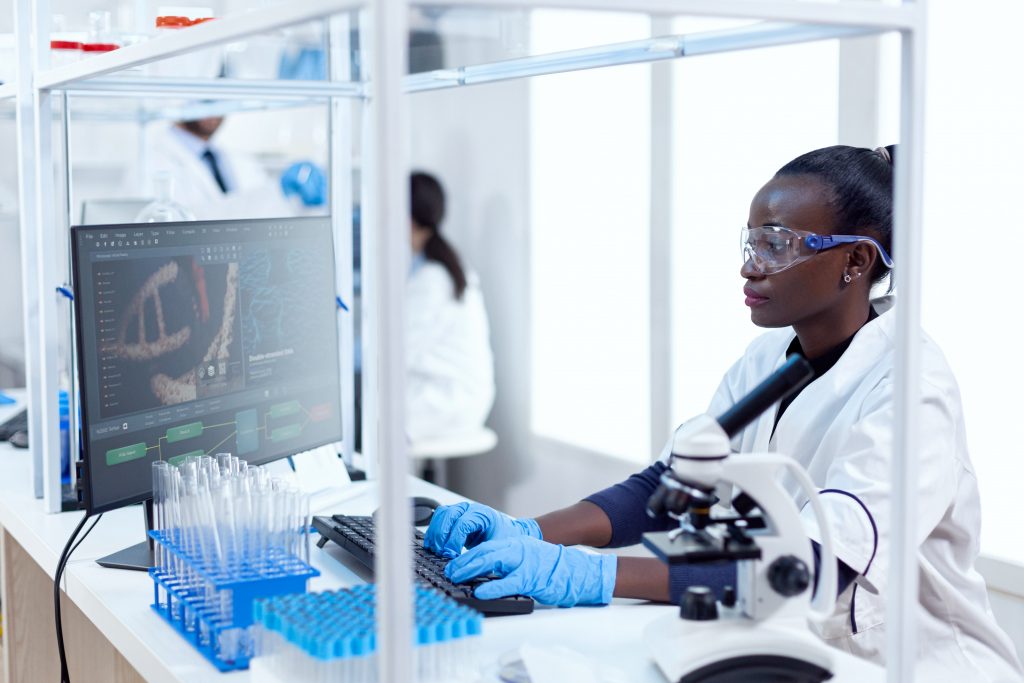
759	631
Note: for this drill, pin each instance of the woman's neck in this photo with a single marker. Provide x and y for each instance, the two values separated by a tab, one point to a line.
824	332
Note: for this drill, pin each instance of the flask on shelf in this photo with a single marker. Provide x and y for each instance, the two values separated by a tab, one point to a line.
100	36
164	209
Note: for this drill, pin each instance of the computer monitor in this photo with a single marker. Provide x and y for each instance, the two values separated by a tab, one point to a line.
202	337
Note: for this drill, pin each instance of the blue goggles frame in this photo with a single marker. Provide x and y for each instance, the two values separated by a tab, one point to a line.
813	243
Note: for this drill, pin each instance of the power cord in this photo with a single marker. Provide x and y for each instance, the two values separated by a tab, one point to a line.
61	564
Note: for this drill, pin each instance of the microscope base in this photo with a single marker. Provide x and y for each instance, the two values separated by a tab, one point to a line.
737	649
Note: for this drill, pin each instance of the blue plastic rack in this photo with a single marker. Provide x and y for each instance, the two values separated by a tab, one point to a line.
212	606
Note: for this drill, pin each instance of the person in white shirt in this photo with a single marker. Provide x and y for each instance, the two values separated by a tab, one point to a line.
214	182
450	380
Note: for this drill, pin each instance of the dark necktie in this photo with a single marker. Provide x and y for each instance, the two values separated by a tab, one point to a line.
211	160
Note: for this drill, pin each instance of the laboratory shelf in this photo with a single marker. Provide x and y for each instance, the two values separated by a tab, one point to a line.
103	108
132	86
210	33
864	13
761	34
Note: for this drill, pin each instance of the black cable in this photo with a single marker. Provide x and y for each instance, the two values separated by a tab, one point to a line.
87	532
61	564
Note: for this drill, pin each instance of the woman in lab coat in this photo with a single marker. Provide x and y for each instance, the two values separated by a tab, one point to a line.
814	295
450	380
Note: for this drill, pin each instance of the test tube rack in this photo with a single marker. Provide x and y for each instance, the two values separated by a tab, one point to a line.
211	604
332	636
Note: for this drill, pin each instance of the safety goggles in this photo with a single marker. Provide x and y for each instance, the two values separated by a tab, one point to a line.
774	248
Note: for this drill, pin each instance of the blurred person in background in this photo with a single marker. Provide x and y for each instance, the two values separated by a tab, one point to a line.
450	380
214	182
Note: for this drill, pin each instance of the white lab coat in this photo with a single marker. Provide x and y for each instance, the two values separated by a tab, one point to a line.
251	192
840	429
450	380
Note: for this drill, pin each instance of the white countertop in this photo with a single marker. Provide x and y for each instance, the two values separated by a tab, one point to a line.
118	601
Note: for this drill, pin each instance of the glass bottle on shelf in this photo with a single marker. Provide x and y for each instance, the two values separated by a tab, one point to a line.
164	209
100	34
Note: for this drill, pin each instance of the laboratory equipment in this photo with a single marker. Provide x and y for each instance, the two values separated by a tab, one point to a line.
759	631
15	423
65	437
332	636
199	337
100	37
226	534
15	430
357	536
164	209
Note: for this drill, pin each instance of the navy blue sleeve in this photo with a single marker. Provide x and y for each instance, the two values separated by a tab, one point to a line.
715	576
626	507
846	573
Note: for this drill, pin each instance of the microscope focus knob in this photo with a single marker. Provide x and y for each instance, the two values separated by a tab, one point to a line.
789	576
698	604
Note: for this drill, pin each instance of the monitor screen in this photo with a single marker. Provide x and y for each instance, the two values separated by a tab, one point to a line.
201	338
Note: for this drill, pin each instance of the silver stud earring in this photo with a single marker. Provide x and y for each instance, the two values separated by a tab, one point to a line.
847	279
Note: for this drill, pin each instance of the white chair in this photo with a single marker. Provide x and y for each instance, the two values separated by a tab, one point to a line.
436	451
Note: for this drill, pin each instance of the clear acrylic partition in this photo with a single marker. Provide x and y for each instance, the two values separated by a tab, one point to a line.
12	342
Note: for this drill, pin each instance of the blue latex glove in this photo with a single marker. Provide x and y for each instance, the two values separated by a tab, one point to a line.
551	574
469	525
306	180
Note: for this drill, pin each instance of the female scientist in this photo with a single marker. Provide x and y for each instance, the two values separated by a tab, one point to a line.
839	427
450	380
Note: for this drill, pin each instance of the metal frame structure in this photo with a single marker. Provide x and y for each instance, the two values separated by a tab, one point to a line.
384	135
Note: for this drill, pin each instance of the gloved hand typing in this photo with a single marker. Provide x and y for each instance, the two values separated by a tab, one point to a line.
469	525
552	574
306	180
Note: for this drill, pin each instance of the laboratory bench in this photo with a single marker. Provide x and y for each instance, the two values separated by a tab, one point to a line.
112	635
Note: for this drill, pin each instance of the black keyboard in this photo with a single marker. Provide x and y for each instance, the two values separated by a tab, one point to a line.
16	423
357	536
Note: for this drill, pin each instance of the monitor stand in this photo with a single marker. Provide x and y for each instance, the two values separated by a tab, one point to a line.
139	556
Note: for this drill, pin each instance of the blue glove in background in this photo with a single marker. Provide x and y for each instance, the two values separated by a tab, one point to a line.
306	180
469	525
551	574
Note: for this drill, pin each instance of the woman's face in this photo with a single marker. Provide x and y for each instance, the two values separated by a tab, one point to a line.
809	289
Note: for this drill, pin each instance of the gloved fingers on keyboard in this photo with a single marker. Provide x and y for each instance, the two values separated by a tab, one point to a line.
493	557
439	532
